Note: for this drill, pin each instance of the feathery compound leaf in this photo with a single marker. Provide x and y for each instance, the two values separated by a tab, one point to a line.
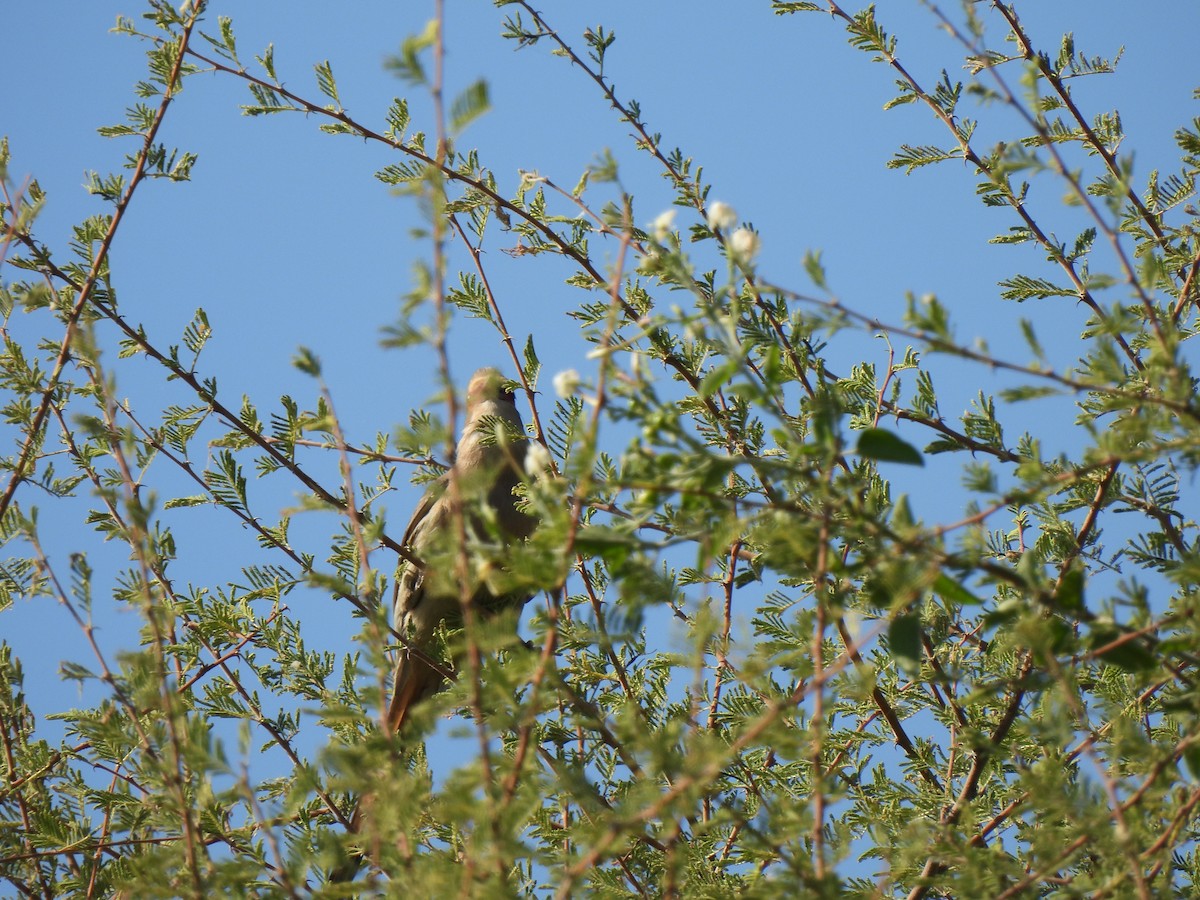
565	423
196	335
469	106
397	119
814	268
226	25
907	95
910	157
407	64
866	34
470	296
267	61
181	502
269	101
226	481
401	173
1017	234
1022	287
1071	64
326	83
533	365
1165	195
307	362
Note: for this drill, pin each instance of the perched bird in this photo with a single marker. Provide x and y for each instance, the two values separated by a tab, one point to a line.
488	465
430	590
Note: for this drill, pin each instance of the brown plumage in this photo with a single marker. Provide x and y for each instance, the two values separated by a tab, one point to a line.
485	473
428	594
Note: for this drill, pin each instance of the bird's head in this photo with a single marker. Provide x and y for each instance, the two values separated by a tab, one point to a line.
488	385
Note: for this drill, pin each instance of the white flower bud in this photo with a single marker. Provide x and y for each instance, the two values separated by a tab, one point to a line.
566	383
537	460
721	215
663	225
745	244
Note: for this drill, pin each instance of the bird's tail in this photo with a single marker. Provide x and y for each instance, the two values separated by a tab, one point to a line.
415	680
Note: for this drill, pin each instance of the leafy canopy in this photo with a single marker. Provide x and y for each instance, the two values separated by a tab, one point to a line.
752	668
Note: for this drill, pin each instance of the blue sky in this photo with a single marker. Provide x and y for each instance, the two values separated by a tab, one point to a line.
286	239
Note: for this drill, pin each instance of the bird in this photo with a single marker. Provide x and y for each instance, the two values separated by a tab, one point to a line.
474	497
489	463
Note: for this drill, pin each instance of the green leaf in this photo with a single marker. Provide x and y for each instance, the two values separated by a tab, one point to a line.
604	543
782	8
904	640
949	589
882	445
533	365
1028	392
1070	591
194	500
306	361
1191	758
325	82
814	268
397	119
1017	234
902	514
196	335
1130	655
407	64
267	61
72	671
269	101
581	185
469	106
906	95
909	157
928	314
717	377
1022	287
227	38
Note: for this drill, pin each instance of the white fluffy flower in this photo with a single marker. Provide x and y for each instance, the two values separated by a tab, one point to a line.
566	383
537	460
663	225
721	215
745	244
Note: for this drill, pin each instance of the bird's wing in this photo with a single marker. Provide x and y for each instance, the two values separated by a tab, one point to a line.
415	613
410	575
435	490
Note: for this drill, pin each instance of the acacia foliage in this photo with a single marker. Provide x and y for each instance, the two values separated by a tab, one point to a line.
850	701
